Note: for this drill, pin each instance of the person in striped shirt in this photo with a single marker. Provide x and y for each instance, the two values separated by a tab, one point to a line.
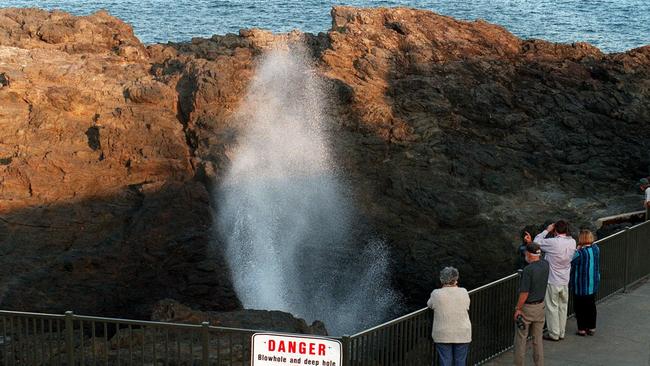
585	278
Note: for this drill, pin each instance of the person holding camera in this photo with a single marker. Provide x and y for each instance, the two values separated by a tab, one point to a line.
529	312
452	330
558	251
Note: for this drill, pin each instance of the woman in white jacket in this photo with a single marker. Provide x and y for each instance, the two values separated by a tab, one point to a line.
452	330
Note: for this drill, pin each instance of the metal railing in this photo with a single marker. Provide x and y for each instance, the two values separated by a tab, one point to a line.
406	341
51	339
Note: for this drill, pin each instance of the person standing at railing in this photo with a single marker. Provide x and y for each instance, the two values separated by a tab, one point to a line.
559	252
585	278
644	184
529	313
452	330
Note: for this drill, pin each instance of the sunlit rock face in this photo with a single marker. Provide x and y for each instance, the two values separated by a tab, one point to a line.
445	138
100	211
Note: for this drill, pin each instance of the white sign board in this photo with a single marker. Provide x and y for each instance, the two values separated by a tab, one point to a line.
271	349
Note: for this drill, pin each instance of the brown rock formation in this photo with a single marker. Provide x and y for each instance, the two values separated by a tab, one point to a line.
99	209
472	133
454	135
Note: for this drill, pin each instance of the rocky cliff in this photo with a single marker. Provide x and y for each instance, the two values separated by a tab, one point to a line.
100	211
453	136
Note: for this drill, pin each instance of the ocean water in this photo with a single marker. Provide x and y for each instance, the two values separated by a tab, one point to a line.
612	25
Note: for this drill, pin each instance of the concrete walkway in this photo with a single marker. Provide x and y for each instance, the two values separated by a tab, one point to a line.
622	337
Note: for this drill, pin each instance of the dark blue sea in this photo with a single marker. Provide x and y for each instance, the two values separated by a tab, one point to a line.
612	25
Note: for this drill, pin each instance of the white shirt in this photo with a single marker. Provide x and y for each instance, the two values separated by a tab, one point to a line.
558	252
451	322
647	194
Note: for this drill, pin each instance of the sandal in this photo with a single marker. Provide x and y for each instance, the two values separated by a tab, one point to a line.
591	332
581	333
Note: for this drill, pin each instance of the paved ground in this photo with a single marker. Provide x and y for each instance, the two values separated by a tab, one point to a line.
622	337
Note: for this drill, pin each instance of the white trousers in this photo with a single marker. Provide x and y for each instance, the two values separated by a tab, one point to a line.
557	301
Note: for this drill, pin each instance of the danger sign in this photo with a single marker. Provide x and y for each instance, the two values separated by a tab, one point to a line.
271	349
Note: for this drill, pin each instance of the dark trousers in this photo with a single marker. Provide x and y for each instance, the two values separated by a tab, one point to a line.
585	308
452	354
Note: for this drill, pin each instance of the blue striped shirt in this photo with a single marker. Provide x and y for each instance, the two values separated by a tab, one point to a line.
585	270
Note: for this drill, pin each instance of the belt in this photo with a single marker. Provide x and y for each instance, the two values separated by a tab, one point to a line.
534	302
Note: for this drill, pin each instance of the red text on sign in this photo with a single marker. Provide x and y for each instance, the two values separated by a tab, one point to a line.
303	348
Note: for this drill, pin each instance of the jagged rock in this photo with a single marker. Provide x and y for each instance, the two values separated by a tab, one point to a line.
152	92
484	133
453	135
172	311
96	33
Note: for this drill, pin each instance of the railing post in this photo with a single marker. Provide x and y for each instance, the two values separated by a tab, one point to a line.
626	267
345	343
205	343
69	336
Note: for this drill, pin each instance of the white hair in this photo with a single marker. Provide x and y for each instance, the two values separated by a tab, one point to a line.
448	275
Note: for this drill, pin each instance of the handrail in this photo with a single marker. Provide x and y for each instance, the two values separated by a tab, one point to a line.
246	330
396	320
620	232
632	227
418	312
100	319
493	283
35	315
134	322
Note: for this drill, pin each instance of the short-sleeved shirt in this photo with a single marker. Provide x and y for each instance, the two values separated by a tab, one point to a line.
534	279
647	194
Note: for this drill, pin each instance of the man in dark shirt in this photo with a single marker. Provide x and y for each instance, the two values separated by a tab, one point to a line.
530	305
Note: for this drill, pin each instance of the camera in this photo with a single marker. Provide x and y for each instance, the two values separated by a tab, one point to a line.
520	322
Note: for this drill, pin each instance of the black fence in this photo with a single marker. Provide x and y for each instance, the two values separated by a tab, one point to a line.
51	339
406	341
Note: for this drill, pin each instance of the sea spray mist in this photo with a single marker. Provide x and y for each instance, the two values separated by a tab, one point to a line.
284	213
